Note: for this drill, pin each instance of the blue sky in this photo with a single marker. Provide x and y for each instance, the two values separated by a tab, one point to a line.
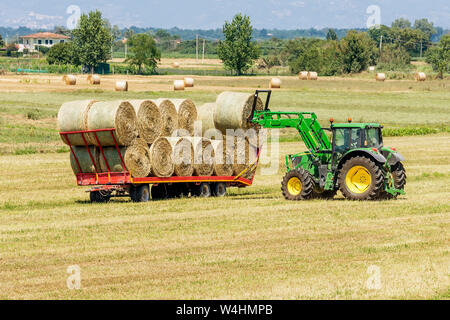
207	14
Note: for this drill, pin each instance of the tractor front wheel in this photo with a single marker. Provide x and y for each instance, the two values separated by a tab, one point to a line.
361	179
297	185
398	174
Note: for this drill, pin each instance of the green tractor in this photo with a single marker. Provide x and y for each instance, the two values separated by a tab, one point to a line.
355	161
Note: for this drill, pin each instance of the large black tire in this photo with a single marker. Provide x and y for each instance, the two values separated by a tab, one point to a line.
360	178
203	190
297	185
141	193
159	192
220	189
99	197
398	174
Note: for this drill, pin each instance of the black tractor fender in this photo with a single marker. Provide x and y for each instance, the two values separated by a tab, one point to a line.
377	157
395	158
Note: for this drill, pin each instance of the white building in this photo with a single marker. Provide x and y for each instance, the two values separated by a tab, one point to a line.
47	39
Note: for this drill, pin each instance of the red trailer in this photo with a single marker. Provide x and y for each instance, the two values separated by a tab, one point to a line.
122	184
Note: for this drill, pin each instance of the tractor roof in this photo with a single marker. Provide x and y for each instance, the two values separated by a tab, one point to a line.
356	125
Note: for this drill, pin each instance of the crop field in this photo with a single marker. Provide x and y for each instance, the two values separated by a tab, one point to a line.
251	244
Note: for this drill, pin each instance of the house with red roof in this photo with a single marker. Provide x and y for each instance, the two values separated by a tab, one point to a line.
47	39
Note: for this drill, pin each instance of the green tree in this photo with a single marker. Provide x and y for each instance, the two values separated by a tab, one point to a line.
401	23
2	43
332	35
357	50
439	56
426	27
92	40
143	52
238	51
61	53
394	57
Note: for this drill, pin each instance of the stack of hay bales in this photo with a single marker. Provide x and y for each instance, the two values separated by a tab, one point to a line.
156	138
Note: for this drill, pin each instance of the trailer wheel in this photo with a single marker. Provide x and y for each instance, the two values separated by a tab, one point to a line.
159	192
141	193
220	189
203	190
98	197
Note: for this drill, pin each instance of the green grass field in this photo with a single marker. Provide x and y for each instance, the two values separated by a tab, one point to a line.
251	244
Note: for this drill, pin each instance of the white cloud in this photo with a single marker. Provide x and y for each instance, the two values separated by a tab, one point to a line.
282	13
299	4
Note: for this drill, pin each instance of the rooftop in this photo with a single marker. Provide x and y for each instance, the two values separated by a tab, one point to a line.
49	35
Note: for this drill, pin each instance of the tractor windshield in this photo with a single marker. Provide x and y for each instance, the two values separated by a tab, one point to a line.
373	138
346	139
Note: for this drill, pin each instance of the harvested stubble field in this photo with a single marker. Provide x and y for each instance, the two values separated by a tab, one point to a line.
251	244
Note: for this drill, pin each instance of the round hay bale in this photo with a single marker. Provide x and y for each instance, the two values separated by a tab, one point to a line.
223	160
113	114
275	83
70	79
372	68
182	156
380	77
176	64
187	114
303	75
169	116
137	159
149	119
93	79
161	158
244	155
188	82
73	116
203	156
121	86
112	156
178	85
233	110
421	76
312	75
206	117
85	160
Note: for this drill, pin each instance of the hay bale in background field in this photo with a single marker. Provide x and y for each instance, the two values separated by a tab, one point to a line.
275	83
371	68
113	114
233	110
73	116
223	160
176	64
203	156
303	75
188	82
187	114
149	119
312	75
161	158
121	86
182	156
84	159
206	116
93	79
421	76
178	85
169	116
137	159
70	79
380	77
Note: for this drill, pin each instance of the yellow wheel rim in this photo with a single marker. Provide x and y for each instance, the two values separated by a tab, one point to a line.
358	179
294	186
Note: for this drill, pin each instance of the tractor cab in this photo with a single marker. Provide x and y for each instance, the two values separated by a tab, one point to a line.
351	136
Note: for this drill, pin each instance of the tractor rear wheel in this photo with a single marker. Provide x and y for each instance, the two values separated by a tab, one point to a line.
141	193
398	174
361	178
297	185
